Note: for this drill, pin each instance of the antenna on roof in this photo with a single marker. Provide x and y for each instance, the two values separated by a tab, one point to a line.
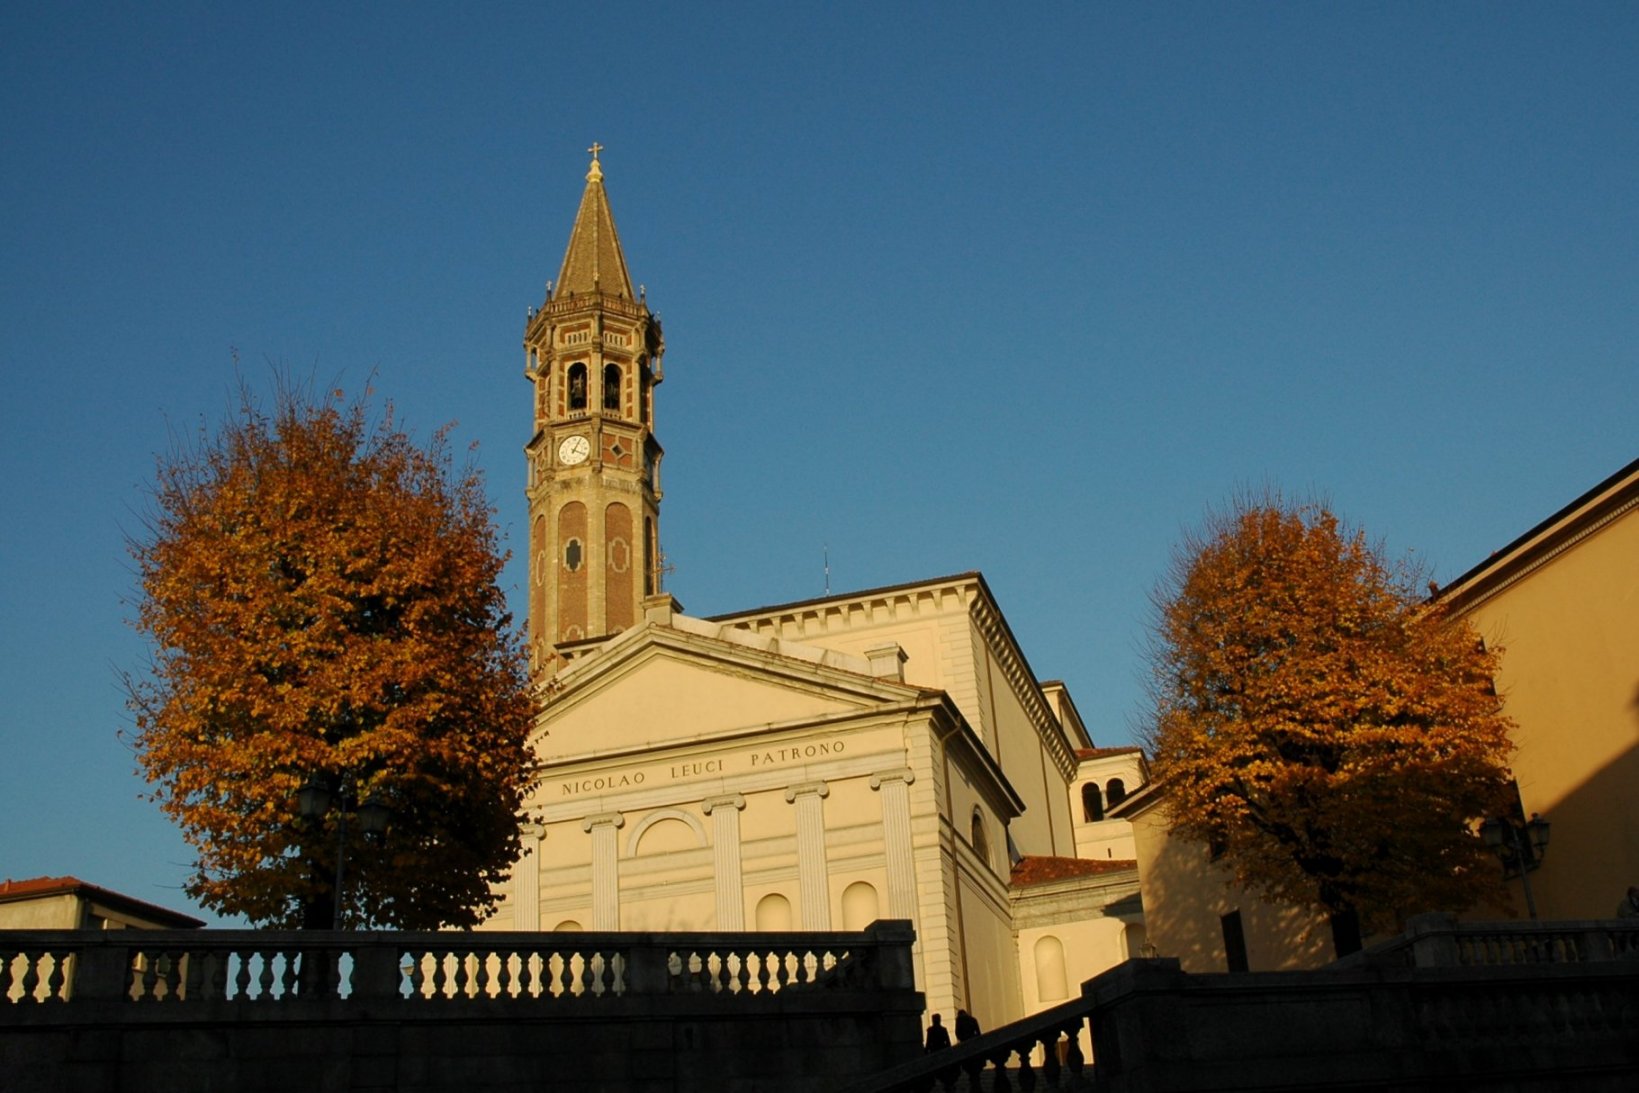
827	549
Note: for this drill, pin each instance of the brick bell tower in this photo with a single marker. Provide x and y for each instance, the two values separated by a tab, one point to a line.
592	353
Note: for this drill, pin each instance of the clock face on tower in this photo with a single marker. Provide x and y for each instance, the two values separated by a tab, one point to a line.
573	450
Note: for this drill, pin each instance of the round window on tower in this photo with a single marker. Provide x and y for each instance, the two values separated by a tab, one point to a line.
572	555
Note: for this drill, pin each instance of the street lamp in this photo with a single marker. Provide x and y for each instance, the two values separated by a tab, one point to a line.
1519	845
315	799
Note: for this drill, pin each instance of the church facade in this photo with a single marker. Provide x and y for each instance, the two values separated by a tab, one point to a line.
814	765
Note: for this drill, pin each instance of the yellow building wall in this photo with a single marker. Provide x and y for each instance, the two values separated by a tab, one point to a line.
1569	632
1186	896
59	912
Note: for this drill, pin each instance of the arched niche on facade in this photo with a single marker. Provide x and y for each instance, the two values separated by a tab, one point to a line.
664	831
860	905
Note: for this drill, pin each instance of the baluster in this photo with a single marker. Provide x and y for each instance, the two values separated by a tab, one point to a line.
526	974
503	973
998	1080
193	974
440	974
1073	1059
763	971
55	981
742	975
564	977
716	972
1050	1058
6	959
607	970
584	980
241	981
150	976
266	979
218	982
469	975
31	976
418	973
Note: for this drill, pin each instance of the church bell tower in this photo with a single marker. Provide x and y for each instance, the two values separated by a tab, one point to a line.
592	354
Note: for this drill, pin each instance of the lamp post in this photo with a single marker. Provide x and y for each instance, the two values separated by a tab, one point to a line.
1518	844
315	799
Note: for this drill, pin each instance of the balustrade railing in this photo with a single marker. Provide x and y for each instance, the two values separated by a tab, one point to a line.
1440	940
1042	1051
267	967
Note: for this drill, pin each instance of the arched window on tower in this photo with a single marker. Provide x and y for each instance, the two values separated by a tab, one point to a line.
1092	803
1116	791
981	841
577	386
611	387
643	390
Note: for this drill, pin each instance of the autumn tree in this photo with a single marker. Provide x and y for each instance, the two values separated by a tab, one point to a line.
321	596
1316	723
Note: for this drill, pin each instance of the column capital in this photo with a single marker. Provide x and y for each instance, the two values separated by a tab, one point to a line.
736	801
602	819
885	777
805	789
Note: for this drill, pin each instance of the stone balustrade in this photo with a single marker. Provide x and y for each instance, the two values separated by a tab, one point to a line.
1441	941
268	967
1537	1006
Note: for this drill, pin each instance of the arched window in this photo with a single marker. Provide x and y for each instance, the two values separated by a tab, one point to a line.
981	841
568	926
1092	803
577	386
611	387
1116	791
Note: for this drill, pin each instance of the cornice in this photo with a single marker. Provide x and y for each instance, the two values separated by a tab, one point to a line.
1562	532
994	626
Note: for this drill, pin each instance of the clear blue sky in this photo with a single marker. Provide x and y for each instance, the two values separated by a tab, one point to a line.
945	287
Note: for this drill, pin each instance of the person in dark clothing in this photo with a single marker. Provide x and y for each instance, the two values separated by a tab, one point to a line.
938	1036
967	1026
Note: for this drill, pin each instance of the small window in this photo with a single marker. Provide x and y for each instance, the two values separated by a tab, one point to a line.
577	386
981	842
572	555
1116	791
611	387
1092	803
1234	941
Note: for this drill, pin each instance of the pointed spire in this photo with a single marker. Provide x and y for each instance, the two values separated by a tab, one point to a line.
594	262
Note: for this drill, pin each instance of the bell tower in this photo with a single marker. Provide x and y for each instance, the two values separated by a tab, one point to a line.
592	354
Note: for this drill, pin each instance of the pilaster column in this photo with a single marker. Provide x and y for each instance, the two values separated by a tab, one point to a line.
725	848
605	869
526	879
894	785
813	879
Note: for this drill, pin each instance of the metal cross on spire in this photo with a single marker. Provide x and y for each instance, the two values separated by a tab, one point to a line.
595	149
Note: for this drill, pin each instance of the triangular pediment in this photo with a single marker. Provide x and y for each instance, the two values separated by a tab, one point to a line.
658	686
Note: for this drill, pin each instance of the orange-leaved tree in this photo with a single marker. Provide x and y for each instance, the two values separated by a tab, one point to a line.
1329	733
321	595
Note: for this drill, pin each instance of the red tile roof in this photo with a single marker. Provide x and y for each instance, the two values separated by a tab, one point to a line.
1104	753
1043	870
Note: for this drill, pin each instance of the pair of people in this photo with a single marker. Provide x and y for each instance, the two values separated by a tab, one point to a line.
967	1027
